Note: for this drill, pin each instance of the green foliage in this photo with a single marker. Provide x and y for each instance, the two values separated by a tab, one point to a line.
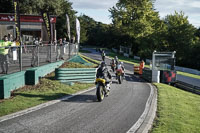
92	32
134	17
138	23
87	25
135	24
180	36
55	7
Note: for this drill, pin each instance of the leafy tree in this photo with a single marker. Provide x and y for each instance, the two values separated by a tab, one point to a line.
180	36
138	22
134	17
87	24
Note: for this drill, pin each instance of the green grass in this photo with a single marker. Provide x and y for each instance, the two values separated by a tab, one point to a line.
178	111
125	59
189	75
48	89
76	65
89	59
84	51
30	96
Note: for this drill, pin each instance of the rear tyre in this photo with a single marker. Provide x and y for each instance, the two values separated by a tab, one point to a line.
100	93
119	79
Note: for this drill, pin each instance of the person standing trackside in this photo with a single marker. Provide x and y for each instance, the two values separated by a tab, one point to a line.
103	55
63	48
34	52
58	49
73	40
4	59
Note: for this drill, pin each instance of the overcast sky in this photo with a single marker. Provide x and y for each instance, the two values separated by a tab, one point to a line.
98	9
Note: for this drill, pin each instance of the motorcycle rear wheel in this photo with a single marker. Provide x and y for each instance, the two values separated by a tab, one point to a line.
119	79
100	93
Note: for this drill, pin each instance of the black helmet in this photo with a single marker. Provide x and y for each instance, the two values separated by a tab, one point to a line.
103	64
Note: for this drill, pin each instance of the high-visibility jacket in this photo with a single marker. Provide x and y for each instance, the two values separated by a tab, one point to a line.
4	44
141	67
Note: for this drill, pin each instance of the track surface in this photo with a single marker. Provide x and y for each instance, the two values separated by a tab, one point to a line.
83	114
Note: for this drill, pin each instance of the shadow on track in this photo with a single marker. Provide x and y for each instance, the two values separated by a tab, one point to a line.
83	99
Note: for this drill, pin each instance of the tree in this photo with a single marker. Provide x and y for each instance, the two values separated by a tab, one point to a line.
180	36
87	24
137	21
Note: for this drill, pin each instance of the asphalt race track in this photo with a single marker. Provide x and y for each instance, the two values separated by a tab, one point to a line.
117	113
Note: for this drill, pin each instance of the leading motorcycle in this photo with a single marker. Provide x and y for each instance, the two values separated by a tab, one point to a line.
102	88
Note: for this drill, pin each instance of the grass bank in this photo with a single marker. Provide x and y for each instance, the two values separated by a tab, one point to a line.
84	51
189	75
47	89
90	59
178	111
125	59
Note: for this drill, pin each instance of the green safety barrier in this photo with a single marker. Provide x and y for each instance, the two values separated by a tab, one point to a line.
11	82
33	74
147	75
83	75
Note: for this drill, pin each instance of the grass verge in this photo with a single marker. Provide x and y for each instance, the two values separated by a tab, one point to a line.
189	75
126	59
48	89
84	51
178	111
90	59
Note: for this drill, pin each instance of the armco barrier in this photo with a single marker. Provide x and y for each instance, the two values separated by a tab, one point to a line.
84	75
136	69
33	74
11	82
187	70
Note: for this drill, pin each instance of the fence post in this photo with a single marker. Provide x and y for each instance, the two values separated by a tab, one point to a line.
20	55
69	50
38	56
50	51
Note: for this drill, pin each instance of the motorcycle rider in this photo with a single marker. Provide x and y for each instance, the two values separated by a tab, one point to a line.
113	64
103	55
116	60
120	67
102	72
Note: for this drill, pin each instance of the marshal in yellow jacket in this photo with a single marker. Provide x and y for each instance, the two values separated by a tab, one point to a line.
4	50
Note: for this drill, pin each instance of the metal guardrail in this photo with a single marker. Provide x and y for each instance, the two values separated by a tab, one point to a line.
187	87
34	56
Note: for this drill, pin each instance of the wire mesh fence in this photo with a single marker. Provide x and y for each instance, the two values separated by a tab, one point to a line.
34	56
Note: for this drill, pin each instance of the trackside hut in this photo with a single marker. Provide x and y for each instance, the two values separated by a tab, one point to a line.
31	26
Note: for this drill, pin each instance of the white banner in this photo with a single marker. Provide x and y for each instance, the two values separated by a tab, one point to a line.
78	30
68	27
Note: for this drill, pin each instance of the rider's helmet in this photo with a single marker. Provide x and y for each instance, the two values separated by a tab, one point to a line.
121	63
103	64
